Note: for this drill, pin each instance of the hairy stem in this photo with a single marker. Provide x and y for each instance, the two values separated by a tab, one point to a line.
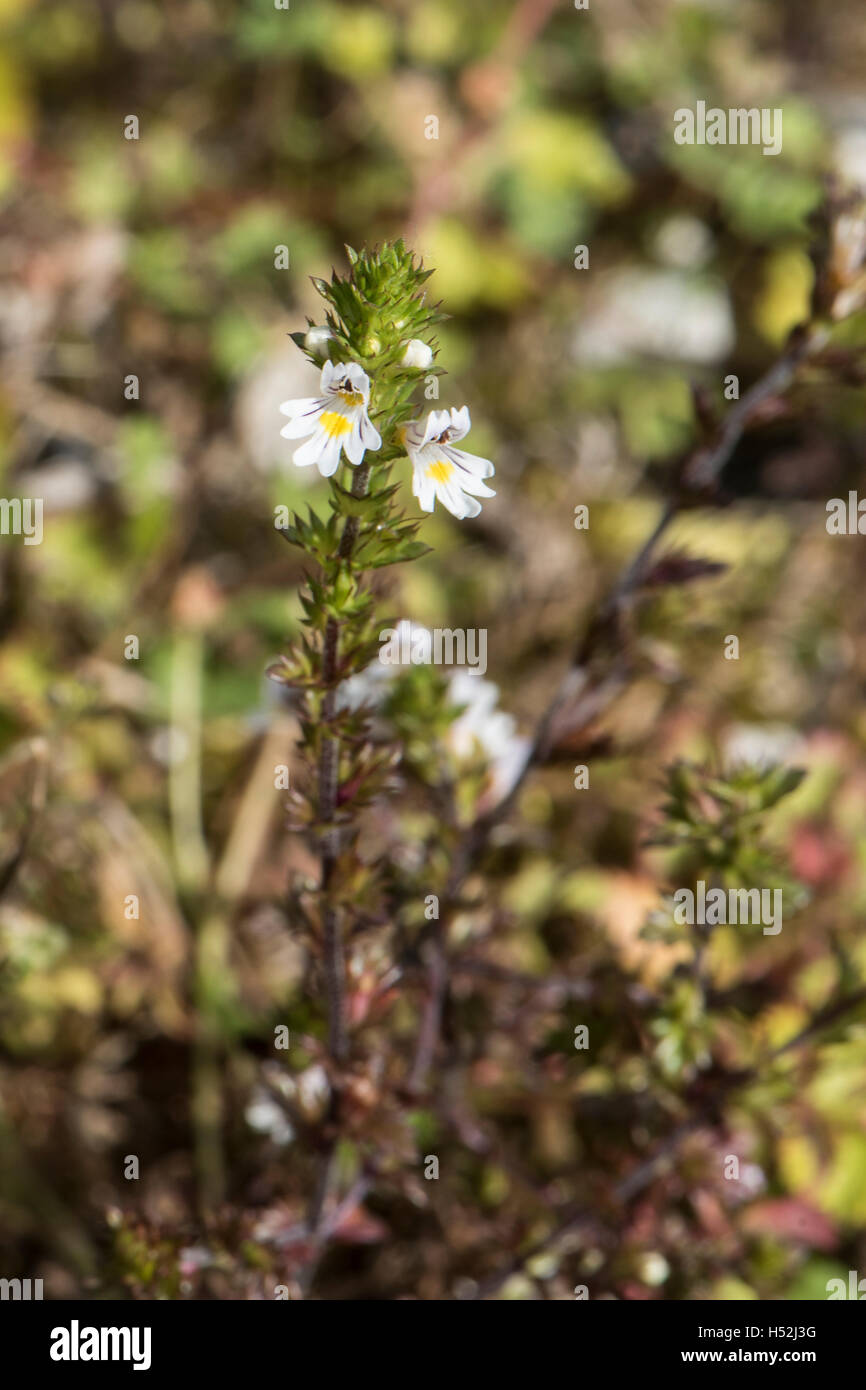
329	772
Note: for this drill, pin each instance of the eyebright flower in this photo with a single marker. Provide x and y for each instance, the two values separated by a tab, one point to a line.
335	420
442	471
482	725
371	685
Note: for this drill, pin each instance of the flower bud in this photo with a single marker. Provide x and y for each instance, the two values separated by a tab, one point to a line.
317	339
417	354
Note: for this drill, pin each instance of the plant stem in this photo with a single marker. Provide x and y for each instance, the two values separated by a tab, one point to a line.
329	772
188	841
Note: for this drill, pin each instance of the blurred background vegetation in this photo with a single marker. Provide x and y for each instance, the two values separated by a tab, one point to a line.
152	777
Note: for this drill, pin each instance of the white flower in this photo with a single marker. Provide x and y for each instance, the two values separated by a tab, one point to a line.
370	686
759	745
335	420
266	1116
317	338
442	471
655	313
482	725
313	1088
417	354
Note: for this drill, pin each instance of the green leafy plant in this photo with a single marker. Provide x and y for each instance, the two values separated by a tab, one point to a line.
377	342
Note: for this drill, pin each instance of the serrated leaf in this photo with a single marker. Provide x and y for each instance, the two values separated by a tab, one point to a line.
406	550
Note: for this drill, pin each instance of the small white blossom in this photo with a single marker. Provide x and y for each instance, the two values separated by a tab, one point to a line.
481	724
759	745
337	420
440	470
417	354
317	338
267	1117
313	1087
481	727
670	314
370	686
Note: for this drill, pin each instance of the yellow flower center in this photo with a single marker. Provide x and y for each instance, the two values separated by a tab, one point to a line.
334	424
350	396
440	471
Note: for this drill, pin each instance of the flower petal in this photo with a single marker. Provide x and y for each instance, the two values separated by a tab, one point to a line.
353	443
461	423
470	463
301	406
310	452
358	379
330	458
424	489
437	421
370	436
300	425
